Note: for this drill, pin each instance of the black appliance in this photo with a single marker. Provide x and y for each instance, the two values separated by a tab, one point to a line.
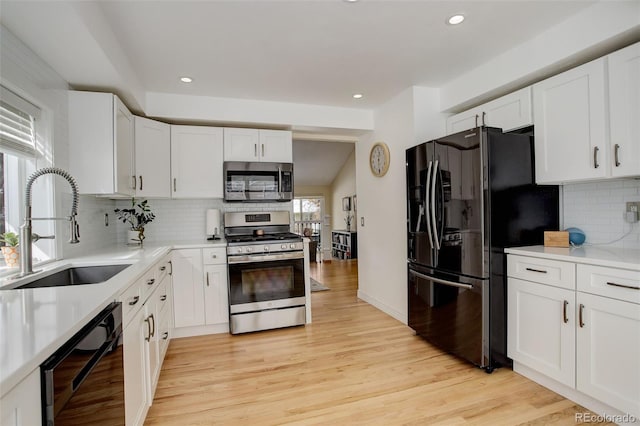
83	381
470	195
266	272
257	181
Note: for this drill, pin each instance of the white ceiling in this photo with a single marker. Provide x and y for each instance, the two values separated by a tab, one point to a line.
312	52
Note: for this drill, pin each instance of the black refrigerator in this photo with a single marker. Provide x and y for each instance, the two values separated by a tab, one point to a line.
470	195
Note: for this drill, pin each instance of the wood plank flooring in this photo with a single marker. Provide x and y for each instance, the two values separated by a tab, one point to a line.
353	365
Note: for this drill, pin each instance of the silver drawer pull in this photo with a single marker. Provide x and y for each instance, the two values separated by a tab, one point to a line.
623	286
542	271
565	318
580	318
165	335
151	281
163	268
135	300
163	297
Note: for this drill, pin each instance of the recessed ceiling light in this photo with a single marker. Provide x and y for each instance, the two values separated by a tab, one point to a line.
357	95
350	1
455	19
186	79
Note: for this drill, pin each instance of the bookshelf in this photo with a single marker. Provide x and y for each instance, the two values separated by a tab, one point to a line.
344	245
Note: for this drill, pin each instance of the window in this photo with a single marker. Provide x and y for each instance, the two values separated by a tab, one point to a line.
18	155
307	216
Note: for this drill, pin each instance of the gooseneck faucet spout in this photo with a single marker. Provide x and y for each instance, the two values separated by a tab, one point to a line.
26	236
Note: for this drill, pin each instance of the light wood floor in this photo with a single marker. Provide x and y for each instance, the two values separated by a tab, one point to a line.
353	365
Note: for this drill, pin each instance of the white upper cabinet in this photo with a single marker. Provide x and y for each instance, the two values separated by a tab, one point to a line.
258	145
570	130
153	158
196	162
510	112
624	110
101	144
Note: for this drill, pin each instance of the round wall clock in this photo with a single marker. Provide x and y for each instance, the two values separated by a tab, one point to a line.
379	159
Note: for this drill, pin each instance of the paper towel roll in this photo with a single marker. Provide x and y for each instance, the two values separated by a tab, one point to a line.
213	222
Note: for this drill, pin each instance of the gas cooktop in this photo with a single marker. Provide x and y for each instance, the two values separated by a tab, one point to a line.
265	238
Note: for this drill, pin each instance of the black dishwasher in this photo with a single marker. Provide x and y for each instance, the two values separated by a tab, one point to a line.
83	381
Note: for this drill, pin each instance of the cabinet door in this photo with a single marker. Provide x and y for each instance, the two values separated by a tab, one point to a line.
276	146
100	143
510	112
241	144
153	158
21	406
569	117
608	350
216	298
124	151
135	380
541	329
624	110
188	288
196	162
465	120
151	325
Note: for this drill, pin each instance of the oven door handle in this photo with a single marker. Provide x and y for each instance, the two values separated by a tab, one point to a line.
265	257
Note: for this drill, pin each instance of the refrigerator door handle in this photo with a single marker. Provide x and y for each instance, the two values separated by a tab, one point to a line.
434	223
441	281
428	206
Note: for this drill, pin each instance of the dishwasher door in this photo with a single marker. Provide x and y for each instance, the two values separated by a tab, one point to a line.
83	381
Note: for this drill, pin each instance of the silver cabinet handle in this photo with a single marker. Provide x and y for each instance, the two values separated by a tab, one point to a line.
541	271
140	177
262	150
151	281
148	336
135	300
595	157
565	318
476	120
163	268
174	184
153	327
133	178
623	286
171	269
207	279
163	297
580	318
483	115
165	335
255	149
616	154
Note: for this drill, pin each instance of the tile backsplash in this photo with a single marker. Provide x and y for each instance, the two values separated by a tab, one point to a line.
598	209
93	232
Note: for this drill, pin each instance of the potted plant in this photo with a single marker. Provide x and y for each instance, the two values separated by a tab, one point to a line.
137	217
10	248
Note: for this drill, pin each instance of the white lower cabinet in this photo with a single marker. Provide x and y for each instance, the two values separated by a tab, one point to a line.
200	291
21	405
144	339
587	340
541	331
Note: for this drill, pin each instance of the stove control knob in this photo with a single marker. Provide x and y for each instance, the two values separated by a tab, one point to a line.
249	249
239	250
284	246
292	246
266	248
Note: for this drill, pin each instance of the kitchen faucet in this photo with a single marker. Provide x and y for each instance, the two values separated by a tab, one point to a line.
26	236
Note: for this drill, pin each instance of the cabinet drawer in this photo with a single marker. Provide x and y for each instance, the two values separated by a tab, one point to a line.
148	283
545	271
214	256
131	300
162	269
163	298
621	284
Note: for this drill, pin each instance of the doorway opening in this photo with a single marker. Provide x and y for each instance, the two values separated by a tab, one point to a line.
307	221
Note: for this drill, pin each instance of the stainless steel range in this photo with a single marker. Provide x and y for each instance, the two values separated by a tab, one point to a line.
266	272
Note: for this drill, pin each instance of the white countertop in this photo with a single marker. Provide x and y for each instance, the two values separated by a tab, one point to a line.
593	255
35	322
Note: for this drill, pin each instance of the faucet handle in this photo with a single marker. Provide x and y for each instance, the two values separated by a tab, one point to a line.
75	231
35	237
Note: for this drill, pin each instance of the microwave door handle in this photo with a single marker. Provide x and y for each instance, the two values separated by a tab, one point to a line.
427	205
436	238
279	179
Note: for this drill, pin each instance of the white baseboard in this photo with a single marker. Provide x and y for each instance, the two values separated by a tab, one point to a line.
382	306
200	330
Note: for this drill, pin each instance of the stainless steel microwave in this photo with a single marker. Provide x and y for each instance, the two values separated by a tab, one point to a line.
258	181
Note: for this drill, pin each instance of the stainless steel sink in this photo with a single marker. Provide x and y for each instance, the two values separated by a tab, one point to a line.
74	276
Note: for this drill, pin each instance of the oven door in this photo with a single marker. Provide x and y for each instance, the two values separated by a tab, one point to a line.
268	281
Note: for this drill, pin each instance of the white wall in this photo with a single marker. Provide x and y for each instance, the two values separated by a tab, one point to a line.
407	119
344	185
598	209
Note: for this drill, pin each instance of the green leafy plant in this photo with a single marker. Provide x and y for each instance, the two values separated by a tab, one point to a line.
137	216
10	239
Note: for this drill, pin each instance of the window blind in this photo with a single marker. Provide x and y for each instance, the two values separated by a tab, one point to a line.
17	123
